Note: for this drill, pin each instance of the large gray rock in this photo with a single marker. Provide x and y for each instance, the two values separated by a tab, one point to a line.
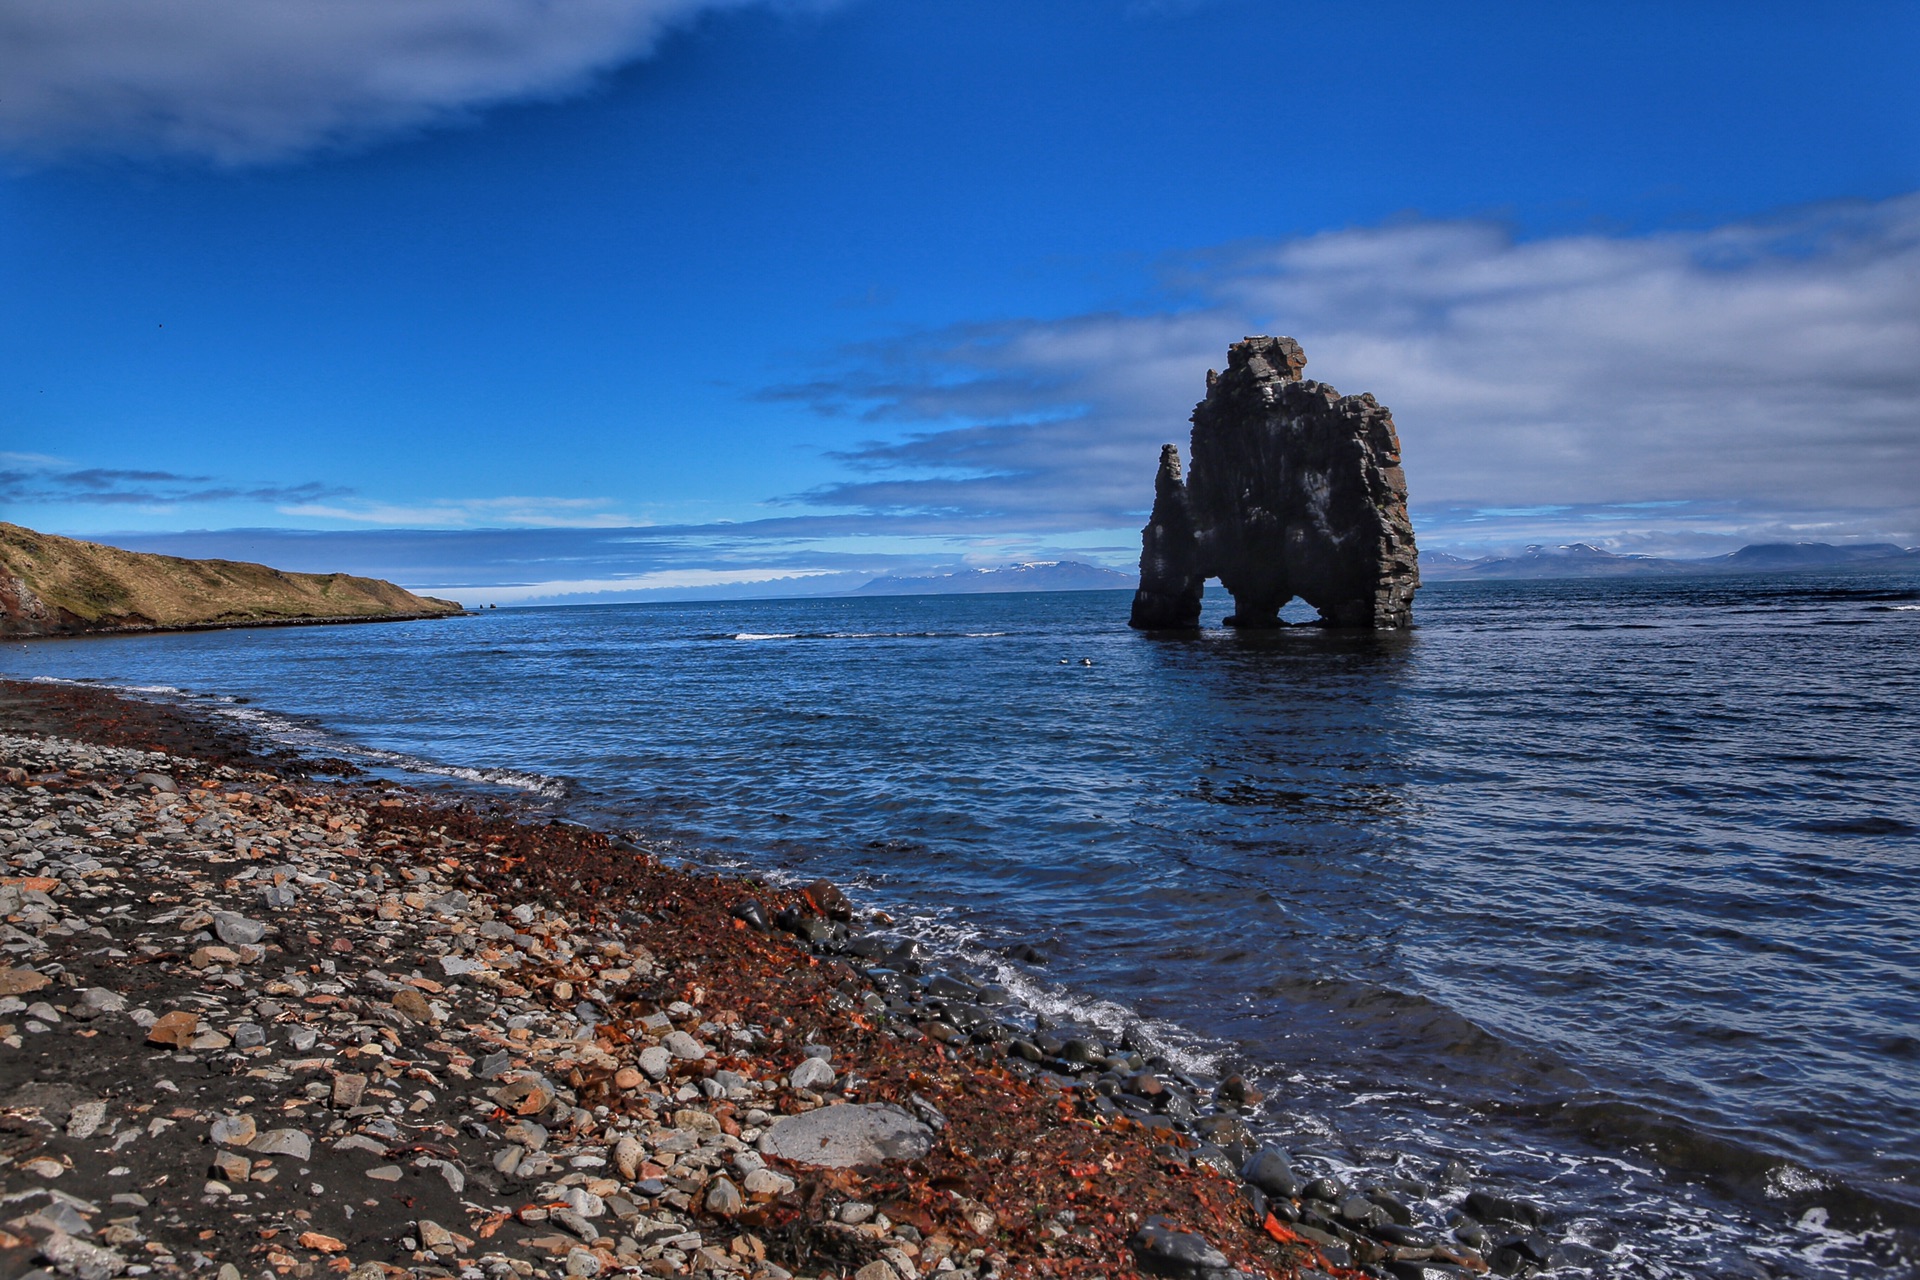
283	1142
847	1136
237	930
1295	490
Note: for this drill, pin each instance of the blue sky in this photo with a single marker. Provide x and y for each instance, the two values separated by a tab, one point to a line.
519	301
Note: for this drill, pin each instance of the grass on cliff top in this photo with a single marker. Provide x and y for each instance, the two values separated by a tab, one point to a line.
107	586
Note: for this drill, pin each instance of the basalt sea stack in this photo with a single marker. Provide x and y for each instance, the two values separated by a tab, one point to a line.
1295	490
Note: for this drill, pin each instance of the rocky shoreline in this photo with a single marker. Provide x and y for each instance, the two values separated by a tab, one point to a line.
155	628
257	1021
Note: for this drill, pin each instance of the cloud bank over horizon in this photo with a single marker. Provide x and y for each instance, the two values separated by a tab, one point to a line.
239	82
1762	370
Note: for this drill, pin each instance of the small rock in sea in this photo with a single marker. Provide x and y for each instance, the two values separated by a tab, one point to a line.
1144	1085
828	900
1324	1189
1164	1250
1234	1091
1486	1207
1362	1212
1270	1170
812	1073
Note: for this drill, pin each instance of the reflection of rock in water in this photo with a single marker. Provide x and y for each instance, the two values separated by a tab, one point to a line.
1295	490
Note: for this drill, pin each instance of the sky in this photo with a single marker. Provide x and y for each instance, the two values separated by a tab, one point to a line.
515	301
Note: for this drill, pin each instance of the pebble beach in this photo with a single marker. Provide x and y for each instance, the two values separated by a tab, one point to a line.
256	1021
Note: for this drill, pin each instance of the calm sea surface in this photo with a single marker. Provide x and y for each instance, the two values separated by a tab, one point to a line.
1609	890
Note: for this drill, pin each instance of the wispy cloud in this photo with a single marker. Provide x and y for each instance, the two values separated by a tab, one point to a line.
461	513
660	583
1765	366
30	479
245	81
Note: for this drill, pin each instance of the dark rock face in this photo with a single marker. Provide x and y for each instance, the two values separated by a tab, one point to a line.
1170	577
1295	490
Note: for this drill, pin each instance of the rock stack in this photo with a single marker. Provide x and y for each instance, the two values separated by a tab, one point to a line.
1295	490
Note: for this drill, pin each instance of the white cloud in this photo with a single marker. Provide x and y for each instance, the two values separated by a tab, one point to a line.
570	590
462	513
244	81
1769	365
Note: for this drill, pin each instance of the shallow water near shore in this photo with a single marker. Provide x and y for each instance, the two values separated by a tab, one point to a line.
1609	889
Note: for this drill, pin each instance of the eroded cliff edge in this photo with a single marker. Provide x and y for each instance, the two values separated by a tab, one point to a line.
1295	490
52	586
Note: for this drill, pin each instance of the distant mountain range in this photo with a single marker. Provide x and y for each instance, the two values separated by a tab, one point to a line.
1581	560
1040	575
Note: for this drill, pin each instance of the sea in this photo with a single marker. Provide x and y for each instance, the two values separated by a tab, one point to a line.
1608	890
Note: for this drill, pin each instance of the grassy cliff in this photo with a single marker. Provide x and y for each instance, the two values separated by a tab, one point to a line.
60	586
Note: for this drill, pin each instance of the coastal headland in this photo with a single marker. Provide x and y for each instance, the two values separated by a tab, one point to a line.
259	1020
54	586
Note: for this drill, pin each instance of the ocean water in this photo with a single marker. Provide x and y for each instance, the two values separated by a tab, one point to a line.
1609	890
